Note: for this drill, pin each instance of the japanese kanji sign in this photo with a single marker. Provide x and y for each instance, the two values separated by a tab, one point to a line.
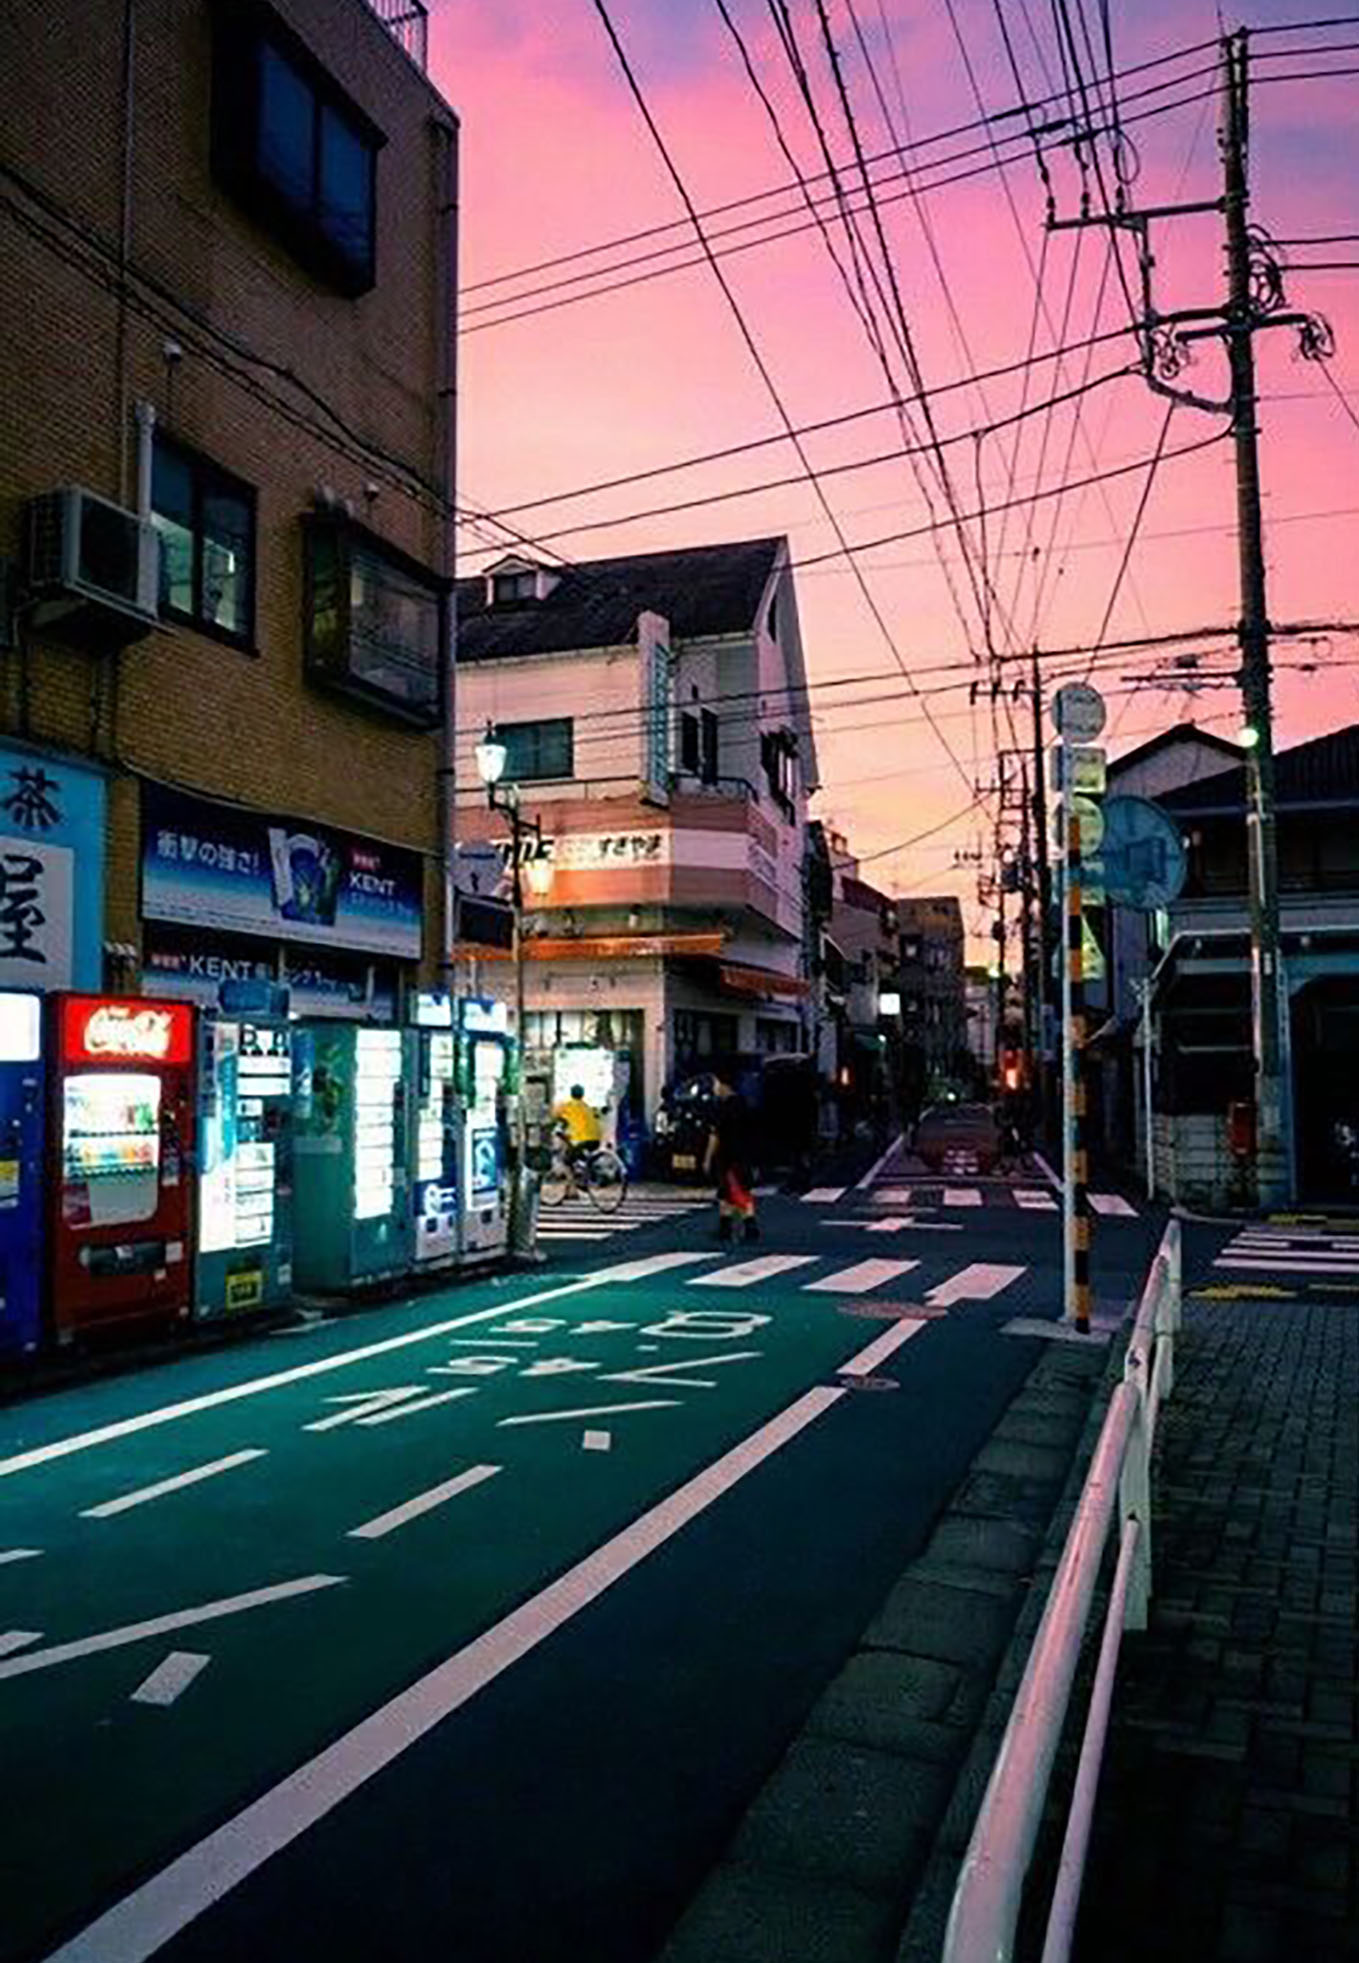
51	872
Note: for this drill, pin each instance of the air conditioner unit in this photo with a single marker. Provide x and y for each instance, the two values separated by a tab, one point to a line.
93	568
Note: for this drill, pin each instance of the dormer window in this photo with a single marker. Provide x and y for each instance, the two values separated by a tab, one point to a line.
516	582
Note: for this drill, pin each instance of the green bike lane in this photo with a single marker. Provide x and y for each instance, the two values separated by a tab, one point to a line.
383	1505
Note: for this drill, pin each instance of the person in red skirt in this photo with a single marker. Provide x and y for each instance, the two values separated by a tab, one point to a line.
730	1161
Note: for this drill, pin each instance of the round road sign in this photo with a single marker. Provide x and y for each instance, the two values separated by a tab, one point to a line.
1078	712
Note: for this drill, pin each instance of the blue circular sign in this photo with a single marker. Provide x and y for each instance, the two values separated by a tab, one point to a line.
1143	853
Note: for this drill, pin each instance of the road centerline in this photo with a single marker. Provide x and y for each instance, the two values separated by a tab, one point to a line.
421	1503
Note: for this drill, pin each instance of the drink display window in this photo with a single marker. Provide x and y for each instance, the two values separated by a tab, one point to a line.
432	1128
110	1141
377	1075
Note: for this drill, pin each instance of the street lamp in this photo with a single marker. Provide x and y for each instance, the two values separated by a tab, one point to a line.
492	756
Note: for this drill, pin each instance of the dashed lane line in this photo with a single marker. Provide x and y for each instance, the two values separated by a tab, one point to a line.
193	1477
421	1503
170	1678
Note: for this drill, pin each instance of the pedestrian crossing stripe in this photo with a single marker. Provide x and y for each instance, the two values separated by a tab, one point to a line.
1036	1198
1112	1203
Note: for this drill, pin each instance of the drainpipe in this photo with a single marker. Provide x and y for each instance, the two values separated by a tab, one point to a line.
145	415
446	339
125	241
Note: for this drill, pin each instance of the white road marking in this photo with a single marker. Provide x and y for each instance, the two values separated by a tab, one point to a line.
360	1403
411	1509
975	1283
12	1639
144	1921
171	1678
962	1196
864	1364
664	1373
19	1554
83	1441
891	1224
107	1508
893	1195
413	1407
573	1234
1291	1264
858	1278
1046	1171
1112	1203
1035	1198
587	1411
164	1625
824	1195
596	1441
862	1185
746	1273
1059	1330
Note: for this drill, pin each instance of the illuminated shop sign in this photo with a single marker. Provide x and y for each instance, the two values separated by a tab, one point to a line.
101	1031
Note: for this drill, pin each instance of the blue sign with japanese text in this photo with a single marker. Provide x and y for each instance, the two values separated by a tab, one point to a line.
248	872
51	872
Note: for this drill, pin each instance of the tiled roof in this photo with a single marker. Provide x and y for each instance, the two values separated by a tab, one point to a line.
1325	770
701	590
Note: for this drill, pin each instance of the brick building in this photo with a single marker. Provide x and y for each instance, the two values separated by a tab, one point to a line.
225	486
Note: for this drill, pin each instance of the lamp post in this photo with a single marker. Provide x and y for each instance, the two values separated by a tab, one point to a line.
492	755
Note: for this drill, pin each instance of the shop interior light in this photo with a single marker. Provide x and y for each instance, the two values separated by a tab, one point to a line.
491	758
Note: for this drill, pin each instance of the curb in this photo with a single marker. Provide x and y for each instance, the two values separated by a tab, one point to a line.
922	1940
824	1861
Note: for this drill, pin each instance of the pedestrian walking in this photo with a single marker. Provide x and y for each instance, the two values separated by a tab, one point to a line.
729	1159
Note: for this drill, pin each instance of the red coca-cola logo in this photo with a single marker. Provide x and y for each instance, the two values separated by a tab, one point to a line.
115	1030
136	1031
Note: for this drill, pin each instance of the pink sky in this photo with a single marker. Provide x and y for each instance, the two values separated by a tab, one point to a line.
556	157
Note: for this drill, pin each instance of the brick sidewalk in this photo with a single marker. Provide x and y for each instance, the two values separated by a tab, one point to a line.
1226	1823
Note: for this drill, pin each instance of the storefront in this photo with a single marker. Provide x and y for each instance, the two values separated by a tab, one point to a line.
52	816
230	893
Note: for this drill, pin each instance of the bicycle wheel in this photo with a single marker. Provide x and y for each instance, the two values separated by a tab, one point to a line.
608	1180
556	1183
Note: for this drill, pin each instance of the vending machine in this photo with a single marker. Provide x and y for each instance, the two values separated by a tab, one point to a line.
484	1083
352	1212
244	1243
22	1121
435	1145
122	1140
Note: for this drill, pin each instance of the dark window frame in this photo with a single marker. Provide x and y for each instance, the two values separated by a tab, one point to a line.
208	477
709	746
689	743
524	585
512	732
241	29
334	670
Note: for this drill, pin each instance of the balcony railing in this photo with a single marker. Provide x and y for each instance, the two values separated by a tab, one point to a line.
407	21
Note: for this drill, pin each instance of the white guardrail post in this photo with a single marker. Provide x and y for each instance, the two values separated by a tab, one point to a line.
986	1901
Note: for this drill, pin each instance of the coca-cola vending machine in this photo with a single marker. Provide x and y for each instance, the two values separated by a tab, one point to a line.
121	1185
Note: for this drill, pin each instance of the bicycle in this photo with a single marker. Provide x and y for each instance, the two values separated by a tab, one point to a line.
595	1171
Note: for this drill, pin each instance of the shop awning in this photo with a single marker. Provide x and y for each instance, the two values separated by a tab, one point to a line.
599	947
743	980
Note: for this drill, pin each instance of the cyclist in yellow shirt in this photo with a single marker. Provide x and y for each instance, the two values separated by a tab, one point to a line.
583	1129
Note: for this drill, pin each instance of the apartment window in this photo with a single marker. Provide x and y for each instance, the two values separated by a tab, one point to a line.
206	522
293	148
374	620
708	746
689	744
536	752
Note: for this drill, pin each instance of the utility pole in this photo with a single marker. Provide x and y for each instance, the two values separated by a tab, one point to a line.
1274	1156
1040	822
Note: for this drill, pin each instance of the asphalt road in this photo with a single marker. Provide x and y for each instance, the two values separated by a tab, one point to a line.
467	1626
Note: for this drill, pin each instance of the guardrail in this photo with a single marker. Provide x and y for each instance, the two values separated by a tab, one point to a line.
986	1901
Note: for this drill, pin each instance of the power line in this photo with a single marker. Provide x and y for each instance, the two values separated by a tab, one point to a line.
476	325
784	190
753	350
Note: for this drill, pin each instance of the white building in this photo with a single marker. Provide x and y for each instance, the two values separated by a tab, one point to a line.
655	712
